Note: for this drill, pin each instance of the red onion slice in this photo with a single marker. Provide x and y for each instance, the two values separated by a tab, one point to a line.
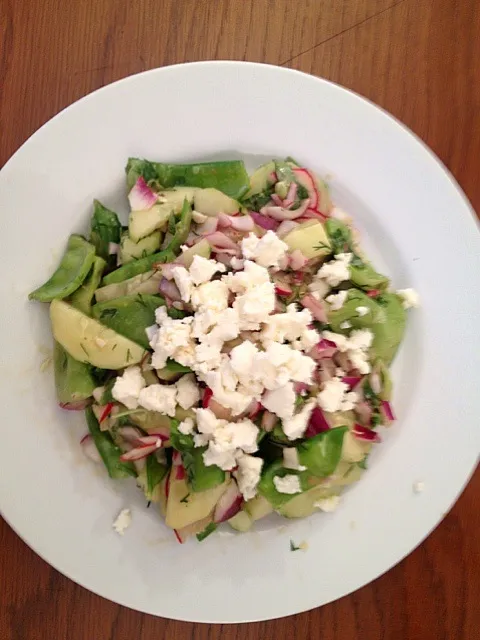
315	306
141	197
317	423
364	433
264	221
229	504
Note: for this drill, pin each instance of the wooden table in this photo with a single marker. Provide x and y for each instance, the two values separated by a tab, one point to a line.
420	60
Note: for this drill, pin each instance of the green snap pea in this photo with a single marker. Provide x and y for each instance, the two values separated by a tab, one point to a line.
72	271
108	450
105	229
83	296
73	380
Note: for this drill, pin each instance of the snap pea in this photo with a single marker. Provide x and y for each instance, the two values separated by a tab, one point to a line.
105	229
72	271
83	296
229	176
388	334
321	454
108	450
73	379
266	486
136	267
348	312
210	528
129	315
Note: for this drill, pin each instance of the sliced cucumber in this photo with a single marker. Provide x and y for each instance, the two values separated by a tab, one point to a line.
202	249
241	522
260	179
130	250
145	283
309	238
211	202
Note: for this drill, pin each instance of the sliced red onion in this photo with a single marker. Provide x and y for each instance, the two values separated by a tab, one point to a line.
229	504
285	227
364	412
315	306
239	223
170	290
314	213
141	197
300	387
276	200
224	258
113	248
149	440
76	405
279	213
224	221
317	423
364	433
269	420
221	243
387	411
352	381
307	180
130	434
254	409
167	269
209	226
264	221
291	195
89	448
138	453
297	260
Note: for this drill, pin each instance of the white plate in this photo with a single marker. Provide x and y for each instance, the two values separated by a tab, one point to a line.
418	226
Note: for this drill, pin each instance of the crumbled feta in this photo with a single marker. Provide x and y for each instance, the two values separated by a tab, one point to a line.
362	311
184	282
127	387
253	275
237	263
248	475
234	400
345	325
265	251
255	305
188	393
227	327
410	298
201	270
356	346
290	459
289	484
172	340
198	217
186	426
159	397
211	296
335	396
318	288
296	426
292	326
418	487
336	271
281	401
337	300
122	521
328	504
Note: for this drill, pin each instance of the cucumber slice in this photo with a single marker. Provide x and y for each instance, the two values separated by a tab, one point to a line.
211	202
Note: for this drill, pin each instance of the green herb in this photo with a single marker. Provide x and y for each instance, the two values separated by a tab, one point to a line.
84	350
293	546
171	225
185	498
114	347
206	532
129	355
322	245
381	300
302	193
256	202
149	503
108	313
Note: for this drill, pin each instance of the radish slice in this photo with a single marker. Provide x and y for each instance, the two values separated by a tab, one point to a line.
364	433
138	453
317	424
364	412
141	197
89	448
285	227
291	195
130	434
207	396
160	432
373	293
169	290
264	221
314	213
323	350
300	387
106	412
76	405
297	260
387	412
254	409
180	472
283	290
113	248
279	213
229	504
269	420
352	381
192	529
315	306
149	440
306	179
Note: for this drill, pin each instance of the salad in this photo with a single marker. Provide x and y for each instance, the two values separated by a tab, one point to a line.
230	347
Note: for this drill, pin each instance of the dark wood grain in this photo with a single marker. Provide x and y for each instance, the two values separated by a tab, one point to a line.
420	59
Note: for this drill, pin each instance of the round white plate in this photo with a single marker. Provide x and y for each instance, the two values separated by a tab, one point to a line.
418	226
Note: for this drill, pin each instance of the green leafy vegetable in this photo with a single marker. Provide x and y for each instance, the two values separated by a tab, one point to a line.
266	486
206	532
108	450
155	473
73	379
321	454
83	296
105	229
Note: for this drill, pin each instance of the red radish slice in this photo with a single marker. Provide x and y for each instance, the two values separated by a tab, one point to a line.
138	453
170	290
254	409
229	504
269	420
106	412
307	180
283	290
141	197
352	381
89	448
364	433
314	213
317	423
176	459
76	405
160	432
149	440
291	195
297	260
316	308
272	178
180	472
130	434
178	537
191	529
264	221
364	412
279	213
207	396
373	293
387	412
300	387
285	227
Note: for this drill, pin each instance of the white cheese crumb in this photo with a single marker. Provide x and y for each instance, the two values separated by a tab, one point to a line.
280	401
248	475
159	397
184	282
290	459
362	311
265	251
122	521
186	426
128	386
289	484
410	298
336	271
337	300
295	427
201	270
345	325
328	504
418	487
188	393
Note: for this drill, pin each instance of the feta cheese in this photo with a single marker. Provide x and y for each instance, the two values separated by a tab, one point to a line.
248	475
127	387
265	251
318	288
332	396
201	270
345	325
207	421
211	296
172	340
292	326
362	311
188	393
336	271
186	426
253	275
122	521
289	484
410	298
296	426
226	440
328	504
227	327
159	397
418	487
290	459
255	305
184	282
233	400
281	401
337	300
356	346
